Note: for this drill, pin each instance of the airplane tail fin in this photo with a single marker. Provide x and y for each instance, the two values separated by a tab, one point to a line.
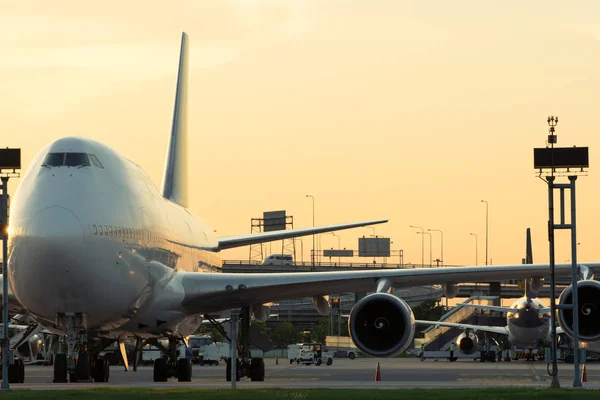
174	185
528	260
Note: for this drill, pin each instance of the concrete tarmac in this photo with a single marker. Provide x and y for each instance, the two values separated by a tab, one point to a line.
344	373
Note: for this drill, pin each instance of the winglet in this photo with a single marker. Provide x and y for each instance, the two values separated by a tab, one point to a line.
174	185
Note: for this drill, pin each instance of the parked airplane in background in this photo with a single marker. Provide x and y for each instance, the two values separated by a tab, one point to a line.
97	253
527	319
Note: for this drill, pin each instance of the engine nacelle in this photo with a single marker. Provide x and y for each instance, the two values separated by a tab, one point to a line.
588	293
467	342
261	312
321	304
535	285
450	290
381	325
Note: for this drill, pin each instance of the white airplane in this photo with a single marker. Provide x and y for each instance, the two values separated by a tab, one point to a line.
97	253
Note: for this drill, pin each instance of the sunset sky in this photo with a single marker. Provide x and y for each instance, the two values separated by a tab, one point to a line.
409	110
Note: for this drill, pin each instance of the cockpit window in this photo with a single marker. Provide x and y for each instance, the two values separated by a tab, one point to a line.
77	160
96	162
54	160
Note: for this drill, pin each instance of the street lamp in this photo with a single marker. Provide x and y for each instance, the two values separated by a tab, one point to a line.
422	245
427	233
486	230
312	254
320	248
301	249
476	263
339	248
441	242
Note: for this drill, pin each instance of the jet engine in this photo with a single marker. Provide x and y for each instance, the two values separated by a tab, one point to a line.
450	290
535	285
321	304
261	312
467	342
589	310
381	325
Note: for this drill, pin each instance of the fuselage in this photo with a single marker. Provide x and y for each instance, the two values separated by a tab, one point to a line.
100	239
527	326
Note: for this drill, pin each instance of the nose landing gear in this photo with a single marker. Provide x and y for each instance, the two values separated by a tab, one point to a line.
170	365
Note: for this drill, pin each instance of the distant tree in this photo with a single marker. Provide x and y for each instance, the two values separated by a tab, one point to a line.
284	334
320	331
427	310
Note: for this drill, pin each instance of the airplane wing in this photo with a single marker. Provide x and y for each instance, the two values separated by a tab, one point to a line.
229	242
502	330
206	293
487	308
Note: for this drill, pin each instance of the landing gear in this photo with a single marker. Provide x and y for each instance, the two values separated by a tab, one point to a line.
253	368
170	365
101	370
16	371
76	363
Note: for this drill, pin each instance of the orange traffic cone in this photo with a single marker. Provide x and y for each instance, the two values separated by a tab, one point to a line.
276	360
377	374
583	374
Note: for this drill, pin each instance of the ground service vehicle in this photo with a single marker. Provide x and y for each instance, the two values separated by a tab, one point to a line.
315	353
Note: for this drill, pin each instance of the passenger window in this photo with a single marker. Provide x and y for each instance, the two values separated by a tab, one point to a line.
105	231
110	233
77	160
54	160
95	161
100	229
95	229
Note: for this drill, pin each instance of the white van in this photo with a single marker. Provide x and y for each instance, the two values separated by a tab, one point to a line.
279	259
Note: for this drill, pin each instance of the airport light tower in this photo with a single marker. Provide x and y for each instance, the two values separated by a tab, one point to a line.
312	254
486	230
570	162
422	245
441	243
476	261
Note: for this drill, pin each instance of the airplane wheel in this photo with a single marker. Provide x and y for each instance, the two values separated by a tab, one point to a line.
60	368
257	370
83	367
184	370
21	371
160	370
13	372
101	370
228	370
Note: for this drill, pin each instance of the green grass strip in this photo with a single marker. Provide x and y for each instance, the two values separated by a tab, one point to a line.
309	394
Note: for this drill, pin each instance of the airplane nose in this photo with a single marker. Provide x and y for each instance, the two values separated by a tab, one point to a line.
55	236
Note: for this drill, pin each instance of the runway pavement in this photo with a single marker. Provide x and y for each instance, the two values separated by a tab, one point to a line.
344	373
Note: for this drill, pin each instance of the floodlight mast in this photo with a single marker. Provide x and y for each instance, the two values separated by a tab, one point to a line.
564	158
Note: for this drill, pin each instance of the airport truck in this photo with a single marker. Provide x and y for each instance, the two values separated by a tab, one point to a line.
315	353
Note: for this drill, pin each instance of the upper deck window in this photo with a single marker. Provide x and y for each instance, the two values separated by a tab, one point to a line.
54	160
77	160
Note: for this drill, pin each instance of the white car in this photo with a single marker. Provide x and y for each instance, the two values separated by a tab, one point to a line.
279	259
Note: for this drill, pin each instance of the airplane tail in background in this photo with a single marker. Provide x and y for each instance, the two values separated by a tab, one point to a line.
529	260
175	178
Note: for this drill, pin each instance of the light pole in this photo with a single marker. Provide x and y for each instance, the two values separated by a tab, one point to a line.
339	248
441	242
319	242
427	233
422	245
476	262
486	230
312	254
301	249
